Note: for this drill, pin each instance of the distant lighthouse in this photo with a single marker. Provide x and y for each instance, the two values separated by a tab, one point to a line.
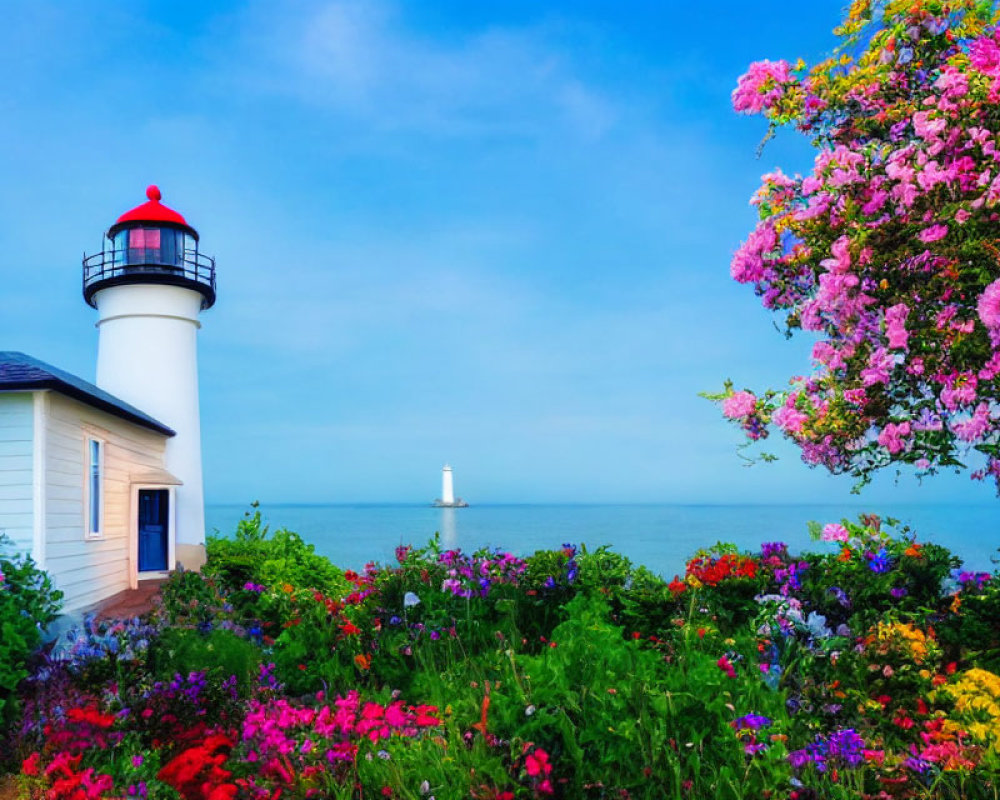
149	285
448	499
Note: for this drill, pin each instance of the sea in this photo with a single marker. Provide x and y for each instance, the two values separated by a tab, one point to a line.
660	537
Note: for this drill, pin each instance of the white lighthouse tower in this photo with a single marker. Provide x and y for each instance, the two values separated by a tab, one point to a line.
448	499
447	487
149	285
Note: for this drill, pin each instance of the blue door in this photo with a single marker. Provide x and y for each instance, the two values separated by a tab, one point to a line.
154	526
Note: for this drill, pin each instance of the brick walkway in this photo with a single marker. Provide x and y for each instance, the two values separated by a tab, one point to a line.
131	602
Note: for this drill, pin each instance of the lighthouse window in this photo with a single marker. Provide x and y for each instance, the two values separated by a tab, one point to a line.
144	238
95	489
151	246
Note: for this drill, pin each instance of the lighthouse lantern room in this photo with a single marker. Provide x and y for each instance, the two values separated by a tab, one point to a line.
149	285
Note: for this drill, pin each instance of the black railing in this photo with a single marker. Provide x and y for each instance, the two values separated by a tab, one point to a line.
139	265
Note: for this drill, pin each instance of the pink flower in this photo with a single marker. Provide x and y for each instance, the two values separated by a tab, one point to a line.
748	262
989	306
925	127
761	86
933	233
976	426
726	666
895	330
841	261
537	763
834	532
880	364
984	54
790	419
892	436
739	405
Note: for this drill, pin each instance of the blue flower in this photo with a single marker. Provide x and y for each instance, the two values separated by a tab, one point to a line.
879	562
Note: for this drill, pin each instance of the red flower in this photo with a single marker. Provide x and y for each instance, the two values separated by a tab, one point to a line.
29	766
726	666
537	763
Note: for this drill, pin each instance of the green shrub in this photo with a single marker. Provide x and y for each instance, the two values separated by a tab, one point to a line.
219	653
254	555
28	604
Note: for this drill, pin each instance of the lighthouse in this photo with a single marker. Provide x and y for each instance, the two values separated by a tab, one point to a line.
149	285
448	499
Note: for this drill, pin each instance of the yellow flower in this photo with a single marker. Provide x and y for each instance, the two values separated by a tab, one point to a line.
976	693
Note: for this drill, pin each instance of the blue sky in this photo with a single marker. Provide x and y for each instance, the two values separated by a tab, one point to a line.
496	235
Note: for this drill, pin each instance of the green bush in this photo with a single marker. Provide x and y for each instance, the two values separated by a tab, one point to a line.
254	555
28	604
219	653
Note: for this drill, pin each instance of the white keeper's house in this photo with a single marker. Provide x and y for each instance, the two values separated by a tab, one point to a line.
101	482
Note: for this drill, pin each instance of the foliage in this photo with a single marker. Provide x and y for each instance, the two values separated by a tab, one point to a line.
258	557
28	604
887	250
864	669
221	654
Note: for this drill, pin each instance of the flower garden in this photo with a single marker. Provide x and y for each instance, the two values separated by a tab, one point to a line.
869	668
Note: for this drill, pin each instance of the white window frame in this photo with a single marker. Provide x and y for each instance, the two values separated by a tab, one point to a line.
88	500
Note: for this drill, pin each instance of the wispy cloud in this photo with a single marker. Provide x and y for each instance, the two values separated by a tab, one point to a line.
358	57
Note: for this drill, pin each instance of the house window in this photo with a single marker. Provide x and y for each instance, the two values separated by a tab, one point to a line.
95	489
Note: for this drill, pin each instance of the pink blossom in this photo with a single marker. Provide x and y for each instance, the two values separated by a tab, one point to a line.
952	82
962	216
933	233
989	305
973	428
841	261
790	419
984	54
892	436
834	532
925	127
895	330
880	364
739	405
960	394
748	262
761	86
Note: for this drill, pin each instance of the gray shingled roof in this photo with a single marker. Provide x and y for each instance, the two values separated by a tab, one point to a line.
20	371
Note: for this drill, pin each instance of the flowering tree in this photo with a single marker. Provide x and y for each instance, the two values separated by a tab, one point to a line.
889	249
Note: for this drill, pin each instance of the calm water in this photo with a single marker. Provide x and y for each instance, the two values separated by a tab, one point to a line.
660	536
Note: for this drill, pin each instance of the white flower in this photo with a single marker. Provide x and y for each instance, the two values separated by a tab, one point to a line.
410	599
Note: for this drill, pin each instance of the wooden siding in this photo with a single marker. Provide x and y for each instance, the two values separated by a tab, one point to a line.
16	473
89	570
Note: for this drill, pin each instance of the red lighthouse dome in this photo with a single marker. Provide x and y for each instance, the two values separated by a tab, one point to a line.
153	211
150	244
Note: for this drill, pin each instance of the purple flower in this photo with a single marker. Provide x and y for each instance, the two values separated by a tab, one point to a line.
776	549
898	591
751	748
878	562
751	722
841	596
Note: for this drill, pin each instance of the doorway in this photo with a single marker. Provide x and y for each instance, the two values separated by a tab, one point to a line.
153	527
